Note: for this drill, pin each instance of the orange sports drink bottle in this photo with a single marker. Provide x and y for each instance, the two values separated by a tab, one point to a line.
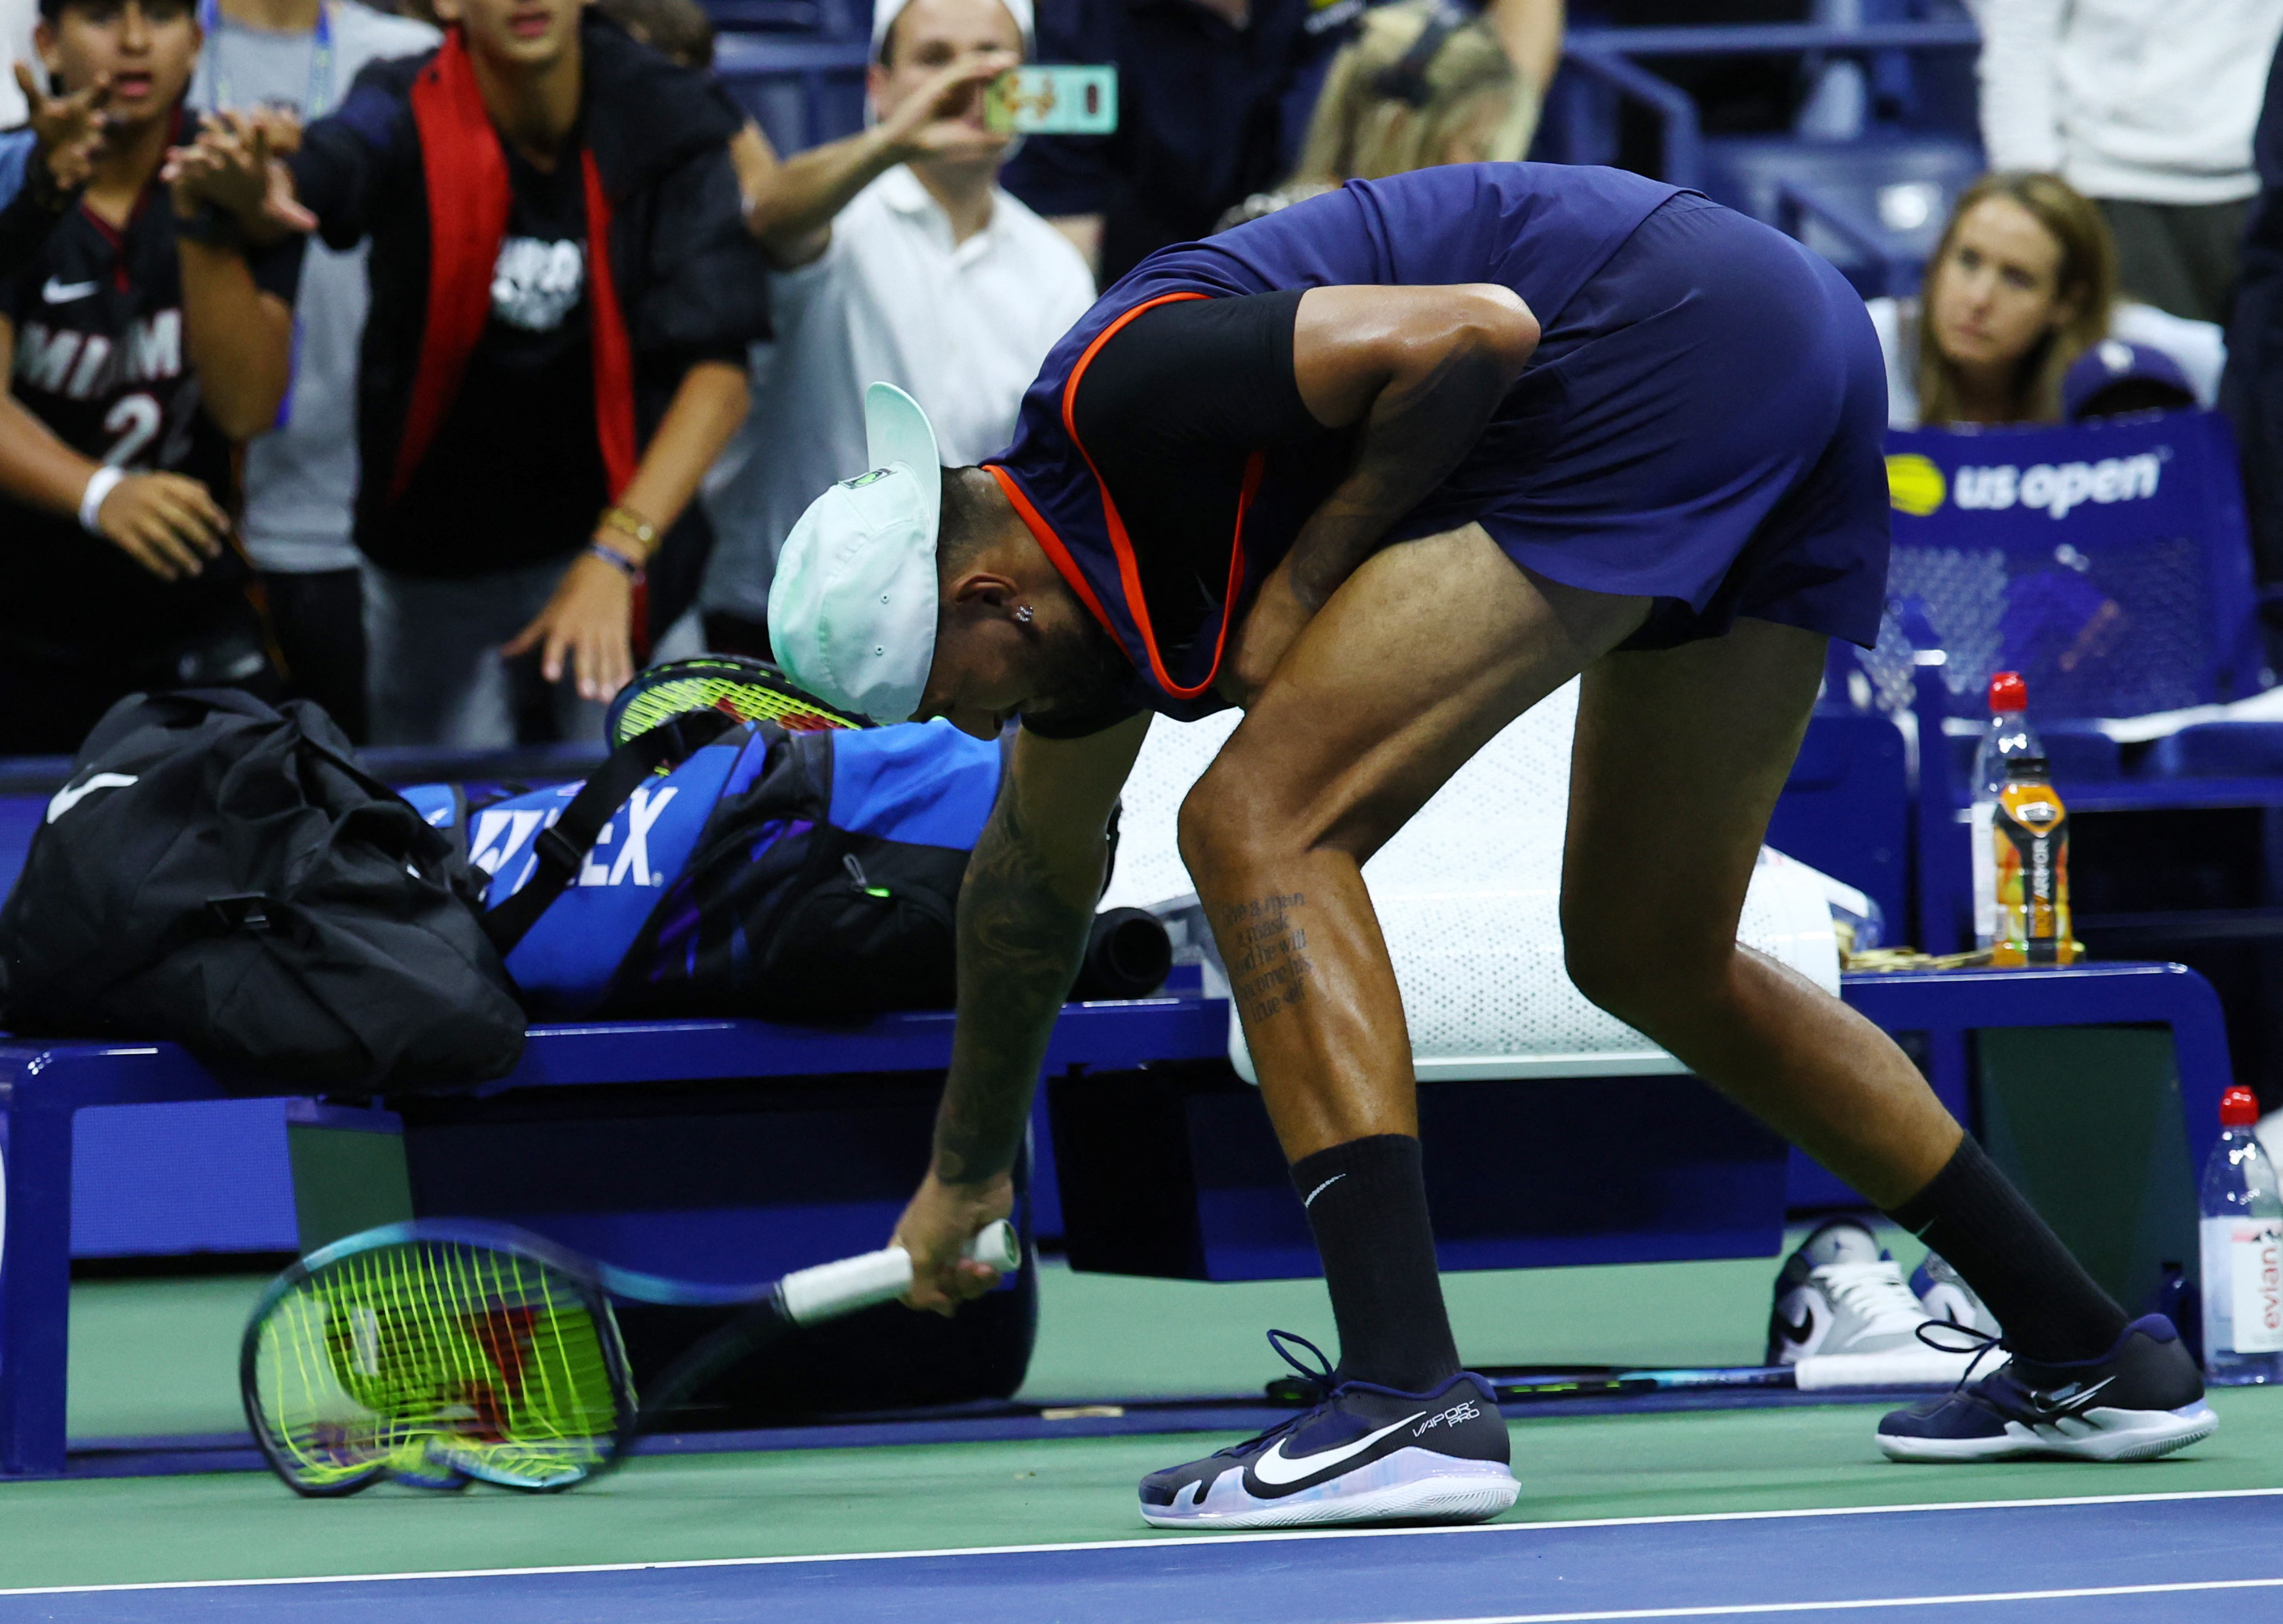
2031	835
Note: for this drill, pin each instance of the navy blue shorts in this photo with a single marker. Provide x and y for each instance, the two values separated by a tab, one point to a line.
1704	424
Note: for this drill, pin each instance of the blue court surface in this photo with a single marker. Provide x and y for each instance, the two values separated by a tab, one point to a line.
2215	1556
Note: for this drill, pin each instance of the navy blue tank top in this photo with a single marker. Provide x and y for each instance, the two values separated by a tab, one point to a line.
1542	229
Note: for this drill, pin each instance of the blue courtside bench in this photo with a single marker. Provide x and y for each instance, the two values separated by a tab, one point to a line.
42	1086
1245	1226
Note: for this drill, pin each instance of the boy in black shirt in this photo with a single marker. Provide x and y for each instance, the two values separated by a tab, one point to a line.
562	292
137	345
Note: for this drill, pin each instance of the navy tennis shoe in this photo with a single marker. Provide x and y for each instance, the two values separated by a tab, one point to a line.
2143	1398
1362	1453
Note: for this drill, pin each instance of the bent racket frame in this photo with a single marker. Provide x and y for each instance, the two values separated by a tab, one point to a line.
532	1388
748	690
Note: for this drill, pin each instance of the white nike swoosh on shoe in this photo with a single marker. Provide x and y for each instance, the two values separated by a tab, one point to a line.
64	292
1278	1470
2075	1402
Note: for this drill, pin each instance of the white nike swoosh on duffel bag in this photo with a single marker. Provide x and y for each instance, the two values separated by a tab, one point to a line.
55	293
71	796
1277	1469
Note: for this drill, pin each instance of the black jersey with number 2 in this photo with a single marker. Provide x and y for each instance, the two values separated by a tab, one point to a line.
97	314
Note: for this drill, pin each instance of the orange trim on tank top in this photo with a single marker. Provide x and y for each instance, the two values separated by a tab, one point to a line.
1051	544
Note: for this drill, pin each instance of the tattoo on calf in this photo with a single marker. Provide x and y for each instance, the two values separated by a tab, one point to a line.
1266	946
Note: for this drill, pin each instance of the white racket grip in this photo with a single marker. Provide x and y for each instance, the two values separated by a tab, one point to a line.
829	1290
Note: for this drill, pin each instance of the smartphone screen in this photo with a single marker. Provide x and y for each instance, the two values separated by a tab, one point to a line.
1055	99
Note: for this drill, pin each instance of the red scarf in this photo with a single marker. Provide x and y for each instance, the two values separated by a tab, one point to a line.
469	195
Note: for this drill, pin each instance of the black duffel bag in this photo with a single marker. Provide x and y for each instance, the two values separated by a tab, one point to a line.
224	874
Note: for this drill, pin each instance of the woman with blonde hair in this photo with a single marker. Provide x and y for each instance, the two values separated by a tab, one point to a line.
2022	284
1424	82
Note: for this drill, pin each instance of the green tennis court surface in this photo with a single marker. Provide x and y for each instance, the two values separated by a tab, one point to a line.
158	1358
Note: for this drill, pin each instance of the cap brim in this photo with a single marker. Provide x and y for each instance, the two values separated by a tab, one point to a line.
897	431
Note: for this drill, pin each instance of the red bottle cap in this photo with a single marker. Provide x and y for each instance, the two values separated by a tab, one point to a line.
2238	1107
2008	692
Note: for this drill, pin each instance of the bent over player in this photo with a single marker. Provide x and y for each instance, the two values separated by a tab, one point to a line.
1386	469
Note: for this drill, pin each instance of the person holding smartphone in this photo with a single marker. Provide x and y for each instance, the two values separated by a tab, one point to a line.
896	256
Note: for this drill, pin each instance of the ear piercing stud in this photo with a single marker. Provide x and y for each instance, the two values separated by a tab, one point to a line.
1023	613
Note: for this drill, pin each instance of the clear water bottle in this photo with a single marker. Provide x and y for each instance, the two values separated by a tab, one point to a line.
2008	738
2242	1252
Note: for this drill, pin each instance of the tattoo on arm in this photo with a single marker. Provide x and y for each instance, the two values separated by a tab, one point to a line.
1020	941
1265	944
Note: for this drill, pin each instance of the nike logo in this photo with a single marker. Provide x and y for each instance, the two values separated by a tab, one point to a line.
71	796
1320	1188
64	292
2066	1400
1798	1332
1278	1470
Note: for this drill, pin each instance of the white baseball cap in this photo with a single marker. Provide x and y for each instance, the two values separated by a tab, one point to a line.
884	13
852	610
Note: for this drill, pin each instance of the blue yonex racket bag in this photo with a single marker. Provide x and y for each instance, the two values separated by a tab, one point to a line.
807	876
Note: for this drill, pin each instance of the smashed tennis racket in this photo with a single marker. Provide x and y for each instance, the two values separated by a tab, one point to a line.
444	1351
750	690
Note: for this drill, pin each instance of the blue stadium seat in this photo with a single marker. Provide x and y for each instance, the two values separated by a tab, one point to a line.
1874	207
821	20
2080	753
803	91
2220	749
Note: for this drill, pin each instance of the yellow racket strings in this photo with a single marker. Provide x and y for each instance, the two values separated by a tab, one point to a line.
436	1356
746	700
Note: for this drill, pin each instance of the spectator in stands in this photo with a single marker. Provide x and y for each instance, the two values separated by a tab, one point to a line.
1211	95
137	343
298	58
2252	390
2147	107
563	290
2022	284
899	260
1421	84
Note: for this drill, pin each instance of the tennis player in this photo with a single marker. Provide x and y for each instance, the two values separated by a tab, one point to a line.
1385	469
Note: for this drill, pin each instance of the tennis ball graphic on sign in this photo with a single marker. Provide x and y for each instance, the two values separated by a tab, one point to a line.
1913	483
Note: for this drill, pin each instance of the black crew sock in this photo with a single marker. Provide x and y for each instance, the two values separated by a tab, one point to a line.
2051	1309
1368	1205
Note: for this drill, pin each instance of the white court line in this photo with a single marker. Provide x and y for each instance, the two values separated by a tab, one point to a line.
1762	1609
1275	1536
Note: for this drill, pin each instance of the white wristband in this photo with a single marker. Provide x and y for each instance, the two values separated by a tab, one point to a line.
100	483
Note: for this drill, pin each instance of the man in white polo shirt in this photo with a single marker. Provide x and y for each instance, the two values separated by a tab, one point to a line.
900	259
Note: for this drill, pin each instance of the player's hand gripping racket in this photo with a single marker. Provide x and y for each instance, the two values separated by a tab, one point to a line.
751	690
439	1351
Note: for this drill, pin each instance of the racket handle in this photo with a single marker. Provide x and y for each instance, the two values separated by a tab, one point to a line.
997	1247
830	1290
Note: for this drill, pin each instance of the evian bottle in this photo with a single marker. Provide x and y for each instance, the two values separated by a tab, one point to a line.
2242	1252
2009	737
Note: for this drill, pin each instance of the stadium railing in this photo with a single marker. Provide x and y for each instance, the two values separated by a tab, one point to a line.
1873	204
803	91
